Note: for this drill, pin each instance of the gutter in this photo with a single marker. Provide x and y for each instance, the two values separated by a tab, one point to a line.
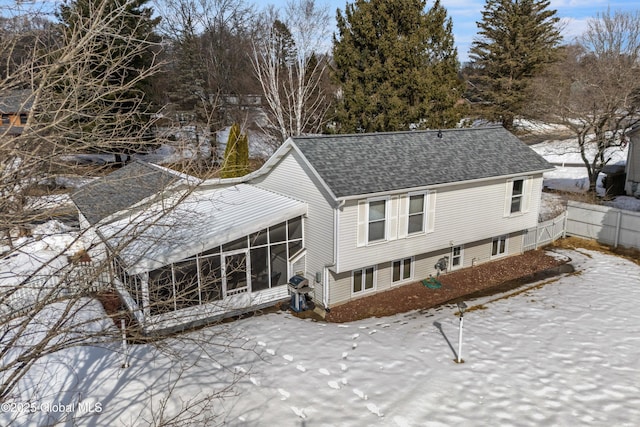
336	228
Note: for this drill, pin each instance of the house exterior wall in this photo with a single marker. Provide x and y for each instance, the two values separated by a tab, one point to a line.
423	265
291	177
463	213
632	186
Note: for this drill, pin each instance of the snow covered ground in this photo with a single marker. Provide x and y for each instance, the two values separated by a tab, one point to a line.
563	354
571	175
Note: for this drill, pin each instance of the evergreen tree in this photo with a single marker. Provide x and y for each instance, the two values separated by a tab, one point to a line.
236	155
397	67
517	39
121	53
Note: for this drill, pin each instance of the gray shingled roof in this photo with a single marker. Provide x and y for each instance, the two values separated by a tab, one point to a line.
15	101
359	164
120	190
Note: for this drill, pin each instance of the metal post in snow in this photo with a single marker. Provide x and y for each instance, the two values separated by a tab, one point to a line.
125	363
461	307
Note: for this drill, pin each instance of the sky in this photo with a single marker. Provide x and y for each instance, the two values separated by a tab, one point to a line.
465	14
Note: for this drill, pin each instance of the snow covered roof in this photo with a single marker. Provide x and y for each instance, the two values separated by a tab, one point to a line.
16	101
124	188
187	223
358	164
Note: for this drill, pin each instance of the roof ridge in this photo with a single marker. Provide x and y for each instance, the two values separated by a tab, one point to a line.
417	131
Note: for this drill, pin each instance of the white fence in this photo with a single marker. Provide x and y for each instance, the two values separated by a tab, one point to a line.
610	226
545	232
16	299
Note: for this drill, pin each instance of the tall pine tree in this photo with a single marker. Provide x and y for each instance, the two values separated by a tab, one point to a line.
517	39
124	46
397	67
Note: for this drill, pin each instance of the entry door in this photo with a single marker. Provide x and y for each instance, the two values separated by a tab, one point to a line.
236	273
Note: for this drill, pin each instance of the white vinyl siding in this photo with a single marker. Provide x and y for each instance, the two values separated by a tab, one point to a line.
320	220
460	214
422	265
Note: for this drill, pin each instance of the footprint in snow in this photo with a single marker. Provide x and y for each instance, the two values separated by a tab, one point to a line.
373	408
255	381
262	344
360	394
284	393
271	351
354	345
345	354
343	367
324	371
372	332
299	412
301	368
354	336
334	385
288	357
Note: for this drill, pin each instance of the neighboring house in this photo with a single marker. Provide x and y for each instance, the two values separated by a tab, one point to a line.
354	214
14	109
632	185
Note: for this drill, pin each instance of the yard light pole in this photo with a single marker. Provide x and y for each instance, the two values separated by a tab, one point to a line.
461	307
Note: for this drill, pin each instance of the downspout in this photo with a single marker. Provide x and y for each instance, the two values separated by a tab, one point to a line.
336	227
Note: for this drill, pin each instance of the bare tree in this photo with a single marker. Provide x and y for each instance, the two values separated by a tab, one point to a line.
290	62
64	108
595	90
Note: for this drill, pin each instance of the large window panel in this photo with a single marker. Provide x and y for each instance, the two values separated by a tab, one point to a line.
416	213
235	245
278	233
260	268
295	228
516	195
258	239
161	291
363	280
186	286
210	279
377	220
278	265
236	273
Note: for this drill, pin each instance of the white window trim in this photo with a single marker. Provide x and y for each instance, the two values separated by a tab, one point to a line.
524	198
424	213
451	257
387	207
506	246
363	270
411	272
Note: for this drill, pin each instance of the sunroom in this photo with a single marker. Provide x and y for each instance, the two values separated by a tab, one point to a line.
218	252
